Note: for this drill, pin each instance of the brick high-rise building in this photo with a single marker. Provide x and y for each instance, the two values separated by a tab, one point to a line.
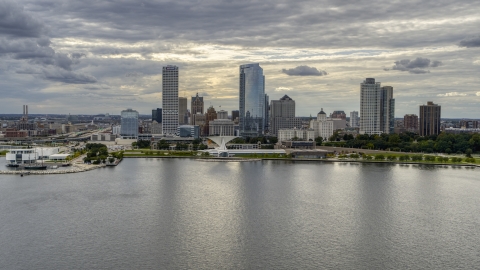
410	122
430	119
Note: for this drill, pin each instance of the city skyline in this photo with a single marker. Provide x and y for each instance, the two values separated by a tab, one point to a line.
55	55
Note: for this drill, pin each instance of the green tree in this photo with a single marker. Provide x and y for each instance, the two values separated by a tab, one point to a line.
391	158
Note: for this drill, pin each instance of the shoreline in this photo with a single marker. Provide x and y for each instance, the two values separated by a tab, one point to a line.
315	160
77	168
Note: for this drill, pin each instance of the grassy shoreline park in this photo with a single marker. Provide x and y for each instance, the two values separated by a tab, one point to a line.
380	157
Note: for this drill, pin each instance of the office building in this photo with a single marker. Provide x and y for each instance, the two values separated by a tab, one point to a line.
410	123
188	131
200	119
196	106
235	116
377	108
430	119
267	115
209	116
129	124
252	101
157	115
170	99
282	115
354	121
338	115
182	111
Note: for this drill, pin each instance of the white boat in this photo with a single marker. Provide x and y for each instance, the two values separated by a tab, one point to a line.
54	167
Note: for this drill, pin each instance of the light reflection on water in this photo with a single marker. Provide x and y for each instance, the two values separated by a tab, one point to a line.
184	214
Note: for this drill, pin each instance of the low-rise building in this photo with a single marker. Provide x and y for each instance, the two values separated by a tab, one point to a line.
301	134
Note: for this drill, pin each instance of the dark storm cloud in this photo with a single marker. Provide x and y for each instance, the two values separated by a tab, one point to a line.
304	71
66	76
416	66
15	22
306	23
470	42
22	38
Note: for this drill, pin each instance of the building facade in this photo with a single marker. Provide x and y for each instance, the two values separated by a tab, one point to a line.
209	116
410	123
282	115
157	115
170	110
221	127
430	119
235	116
196	105
302	134
377	108
354	121
129	124
182	111
200	119
251	101
222	114
338	115
322	126
188	131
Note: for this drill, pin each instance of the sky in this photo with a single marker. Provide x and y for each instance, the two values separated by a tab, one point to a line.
93	56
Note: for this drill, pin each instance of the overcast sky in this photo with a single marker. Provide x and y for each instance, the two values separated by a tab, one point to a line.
93	56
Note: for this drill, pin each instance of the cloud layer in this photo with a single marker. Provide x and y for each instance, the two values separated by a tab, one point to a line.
109	54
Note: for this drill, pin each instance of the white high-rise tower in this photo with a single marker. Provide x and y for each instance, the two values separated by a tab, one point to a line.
377	108
170	99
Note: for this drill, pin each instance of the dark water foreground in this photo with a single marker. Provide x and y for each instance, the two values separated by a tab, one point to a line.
185	214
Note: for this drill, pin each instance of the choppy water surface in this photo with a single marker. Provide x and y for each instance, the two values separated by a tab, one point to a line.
185	214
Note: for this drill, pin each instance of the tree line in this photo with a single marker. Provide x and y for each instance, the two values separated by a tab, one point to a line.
410	142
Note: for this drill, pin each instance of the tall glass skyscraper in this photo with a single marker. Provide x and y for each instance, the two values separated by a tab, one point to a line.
252	101
170	99
129	126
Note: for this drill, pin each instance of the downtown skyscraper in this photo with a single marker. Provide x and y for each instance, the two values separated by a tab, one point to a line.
252	101
170	99
377	108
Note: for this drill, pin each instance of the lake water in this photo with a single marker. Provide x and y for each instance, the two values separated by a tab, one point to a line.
187	214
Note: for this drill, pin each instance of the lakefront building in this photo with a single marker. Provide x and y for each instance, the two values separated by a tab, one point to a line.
377	108
252	101
430	119
170	100
322	126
